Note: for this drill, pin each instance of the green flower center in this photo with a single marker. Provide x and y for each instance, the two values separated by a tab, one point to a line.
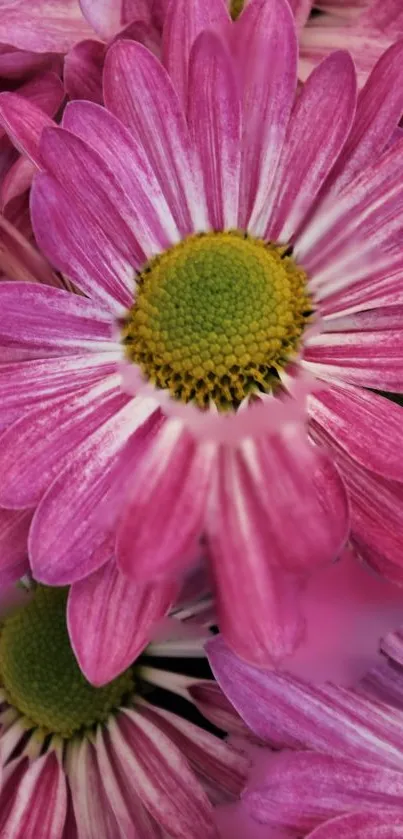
40	675
217	317
236	7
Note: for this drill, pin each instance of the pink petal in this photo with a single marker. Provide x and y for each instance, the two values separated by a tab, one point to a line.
139	92
36	448
131	816
182	26
315	136
386	15
379	109
370	359
164	516
376	519
125	156
269	73
215	125
301	9
40	802
37	316
210	757
287	712
361	826
14	529
214	705
111	620
23	386
300	791
234	822
95	189
17	180
73	240
43	25
365	425
21	260
16	64
258	611
24	123
368	210
83	67
93	816
73	530
105	16
162	777
347	608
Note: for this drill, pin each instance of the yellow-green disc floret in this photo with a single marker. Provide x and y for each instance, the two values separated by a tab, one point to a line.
40	675
216	317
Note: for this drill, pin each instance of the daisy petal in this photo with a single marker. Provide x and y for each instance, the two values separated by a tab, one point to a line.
46	318
14	529
286	712
24	123
93	819
164	517
115	144
73	529
140	93
259	616
369	358
36	448
111	619
315	136
366	425
209	756
29	385
73	241
369	210
83	67
105	16
39	804
42	25
133	819
182	26
361	826
269	76
379	108
163	780
299	791
215	125
214	705
131	227
301	9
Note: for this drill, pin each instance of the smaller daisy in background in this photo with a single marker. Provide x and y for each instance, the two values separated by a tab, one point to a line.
112	762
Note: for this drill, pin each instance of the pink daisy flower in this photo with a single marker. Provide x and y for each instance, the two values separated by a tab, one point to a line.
340	769
112	762
230	261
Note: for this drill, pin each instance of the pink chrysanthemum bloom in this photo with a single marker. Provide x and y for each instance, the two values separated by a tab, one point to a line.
339	771
230	261
111	762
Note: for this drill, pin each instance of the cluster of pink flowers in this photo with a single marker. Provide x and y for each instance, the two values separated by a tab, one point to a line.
201	387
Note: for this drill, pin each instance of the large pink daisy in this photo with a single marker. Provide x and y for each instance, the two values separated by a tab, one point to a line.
232	258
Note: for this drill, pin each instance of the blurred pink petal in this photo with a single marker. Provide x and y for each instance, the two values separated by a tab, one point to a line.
83	67
347	608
